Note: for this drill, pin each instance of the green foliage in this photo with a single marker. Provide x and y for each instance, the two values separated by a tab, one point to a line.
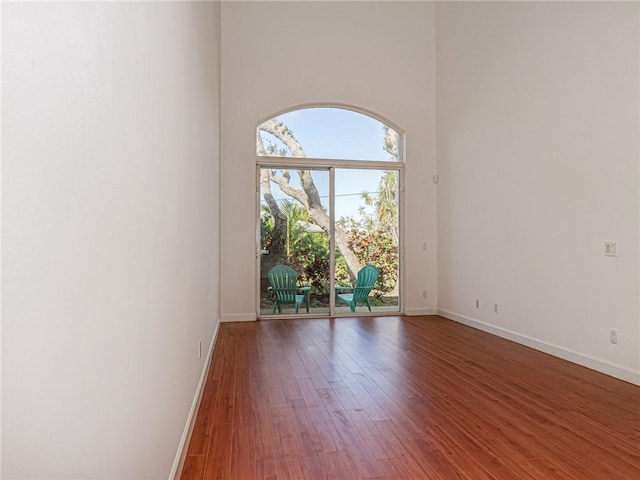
308	253
371	244
295	213
342	272
311	260
378	248
266	228
316	274
274	151
391	142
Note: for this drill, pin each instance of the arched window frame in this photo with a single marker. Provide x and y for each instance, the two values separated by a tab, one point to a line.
332	164
318	161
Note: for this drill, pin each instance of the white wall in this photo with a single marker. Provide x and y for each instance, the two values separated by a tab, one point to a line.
110	233
377	56
538	125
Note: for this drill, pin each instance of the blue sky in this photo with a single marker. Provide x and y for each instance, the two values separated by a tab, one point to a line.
337	134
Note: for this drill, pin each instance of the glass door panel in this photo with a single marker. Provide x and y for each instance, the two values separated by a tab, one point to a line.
366	232
294	231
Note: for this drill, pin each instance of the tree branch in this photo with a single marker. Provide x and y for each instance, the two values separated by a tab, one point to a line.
282	133
260	144
296	193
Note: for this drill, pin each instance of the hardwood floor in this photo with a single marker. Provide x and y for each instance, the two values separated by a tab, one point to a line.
405	398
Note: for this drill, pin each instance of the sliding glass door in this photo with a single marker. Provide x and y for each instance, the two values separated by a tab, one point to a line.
295	235
300	231
367	233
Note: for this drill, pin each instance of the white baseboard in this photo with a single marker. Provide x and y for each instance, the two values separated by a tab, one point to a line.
412	312
240	317
596	364
183	446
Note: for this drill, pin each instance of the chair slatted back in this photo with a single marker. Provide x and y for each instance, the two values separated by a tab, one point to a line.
366	280
283	281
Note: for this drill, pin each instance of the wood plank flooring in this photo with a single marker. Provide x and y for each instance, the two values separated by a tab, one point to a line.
405	398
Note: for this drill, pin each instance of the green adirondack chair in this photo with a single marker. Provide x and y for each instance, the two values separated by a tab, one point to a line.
359	293
283	283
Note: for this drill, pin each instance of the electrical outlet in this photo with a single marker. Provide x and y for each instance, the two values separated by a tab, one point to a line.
495	308
477	303
610	249
424	294
199	349
613	337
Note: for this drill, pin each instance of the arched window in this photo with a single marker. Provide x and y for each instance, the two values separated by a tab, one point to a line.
329	207
328	133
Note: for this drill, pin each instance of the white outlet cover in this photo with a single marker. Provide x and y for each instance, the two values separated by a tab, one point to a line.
610	249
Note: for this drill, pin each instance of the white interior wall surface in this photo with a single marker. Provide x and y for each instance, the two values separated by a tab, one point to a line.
375	56
110	158
538	153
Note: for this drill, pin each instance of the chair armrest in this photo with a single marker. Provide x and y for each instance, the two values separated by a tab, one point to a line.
306	292
338	287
